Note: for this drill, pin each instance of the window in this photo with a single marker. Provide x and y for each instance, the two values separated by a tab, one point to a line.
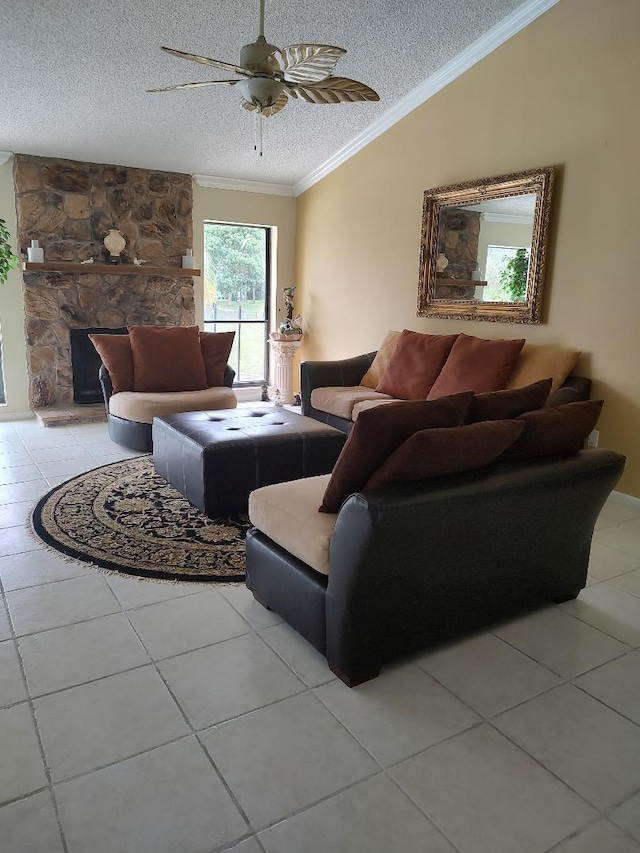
506	274
236	294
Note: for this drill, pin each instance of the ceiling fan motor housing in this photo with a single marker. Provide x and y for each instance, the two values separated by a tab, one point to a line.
259	56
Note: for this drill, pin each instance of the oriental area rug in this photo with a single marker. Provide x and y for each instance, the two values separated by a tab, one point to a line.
124	518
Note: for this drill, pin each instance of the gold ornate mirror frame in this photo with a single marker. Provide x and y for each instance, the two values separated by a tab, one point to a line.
454	297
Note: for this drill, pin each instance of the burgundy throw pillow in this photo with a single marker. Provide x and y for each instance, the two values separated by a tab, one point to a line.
215	347
476	365
415	365
556	429
436	452
167	358
380	431
115	352
500	405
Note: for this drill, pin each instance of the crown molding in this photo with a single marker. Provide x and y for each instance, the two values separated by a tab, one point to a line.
508	218
4	156
243	186
465	60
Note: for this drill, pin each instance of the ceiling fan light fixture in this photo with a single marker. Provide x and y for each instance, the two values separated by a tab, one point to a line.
262	92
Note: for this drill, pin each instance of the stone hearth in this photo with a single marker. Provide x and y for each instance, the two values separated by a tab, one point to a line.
69	207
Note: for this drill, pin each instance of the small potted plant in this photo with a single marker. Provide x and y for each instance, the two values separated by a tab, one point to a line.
8	260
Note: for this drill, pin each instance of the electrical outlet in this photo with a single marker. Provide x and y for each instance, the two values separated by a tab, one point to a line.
593	438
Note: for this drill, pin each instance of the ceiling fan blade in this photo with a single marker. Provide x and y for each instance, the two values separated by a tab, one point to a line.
333	90
247	105
194	85
205	60
308	63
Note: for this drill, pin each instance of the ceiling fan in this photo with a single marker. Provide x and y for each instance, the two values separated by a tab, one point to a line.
269	76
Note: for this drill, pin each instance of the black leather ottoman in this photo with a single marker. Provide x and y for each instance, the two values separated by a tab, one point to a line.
215	459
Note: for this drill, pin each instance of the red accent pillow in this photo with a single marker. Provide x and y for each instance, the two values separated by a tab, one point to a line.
436	452
116	355
476	365
380	431
500	405
215	347
556	429
415	365
167	358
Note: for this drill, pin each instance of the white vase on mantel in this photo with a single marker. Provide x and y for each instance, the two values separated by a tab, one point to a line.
114	243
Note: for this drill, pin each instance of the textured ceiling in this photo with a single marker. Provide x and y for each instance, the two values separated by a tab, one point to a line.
73	76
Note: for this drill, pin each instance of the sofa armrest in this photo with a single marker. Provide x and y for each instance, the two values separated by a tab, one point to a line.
105	384
229	375
574	388
412	564
339	373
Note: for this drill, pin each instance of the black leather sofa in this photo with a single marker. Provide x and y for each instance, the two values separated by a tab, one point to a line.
413	564
349	371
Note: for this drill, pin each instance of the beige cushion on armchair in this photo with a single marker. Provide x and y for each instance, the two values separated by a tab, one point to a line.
288	514
143	407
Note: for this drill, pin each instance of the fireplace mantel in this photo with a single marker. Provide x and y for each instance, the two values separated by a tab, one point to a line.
107	269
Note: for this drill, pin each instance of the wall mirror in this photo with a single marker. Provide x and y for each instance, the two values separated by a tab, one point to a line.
483	247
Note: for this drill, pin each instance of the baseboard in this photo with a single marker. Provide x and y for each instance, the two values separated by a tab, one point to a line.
16	416
248	395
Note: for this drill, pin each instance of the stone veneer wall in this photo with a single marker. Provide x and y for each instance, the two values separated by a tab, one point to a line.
70	206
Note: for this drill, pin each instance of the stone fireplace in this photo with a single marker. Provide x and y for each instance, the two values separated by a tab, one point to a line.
69	207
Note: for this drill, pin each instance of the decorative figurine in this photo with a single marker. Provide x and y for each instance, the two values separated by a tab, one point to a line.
88	261
138	262
277	398
264	397
289	326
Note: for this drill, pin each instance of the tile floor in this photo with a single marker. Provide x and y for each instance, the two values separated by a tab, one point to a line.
139	716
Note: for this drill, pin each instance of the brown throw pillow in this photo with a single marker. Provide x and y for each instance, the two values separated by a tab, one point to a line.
476	365
415	365
167	359
436	452
115	352
378	432
215	347
499	405
556	429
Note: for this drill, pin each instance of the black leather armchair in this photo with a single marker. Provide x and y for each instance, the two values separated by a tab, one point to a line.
136	435
413	564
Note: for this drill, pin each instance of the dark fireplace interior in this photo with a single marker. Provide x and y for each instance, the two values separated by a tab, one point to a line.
85	364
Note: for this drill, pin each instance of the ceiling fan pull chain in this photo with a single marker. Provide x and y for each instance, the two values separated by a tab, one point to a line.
257	132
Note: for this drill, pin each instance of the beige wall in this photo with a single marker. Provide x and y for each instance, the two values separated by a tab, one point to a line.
278	212
14	355
564	91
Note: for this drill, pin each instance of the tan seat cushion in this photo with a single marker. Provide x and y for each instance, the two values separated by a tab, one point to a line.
339	401
539	362
144	407
381	361
365	405
288	514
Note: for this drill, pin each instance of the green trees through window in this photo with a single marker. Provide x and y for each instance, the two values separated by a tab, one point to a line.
236	293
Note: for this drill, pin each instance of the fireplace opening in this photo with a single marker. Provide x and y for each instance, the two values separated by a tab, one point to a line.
85	364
